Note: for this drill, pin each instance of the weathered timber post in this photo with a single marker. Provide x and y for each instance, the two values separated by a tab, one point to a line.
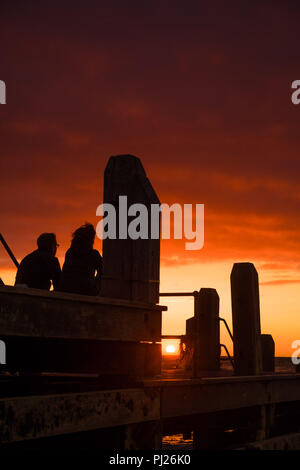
187	435
131	267
190	327
268	353
189	343
131	262
205	439
246	319
207	332
143	436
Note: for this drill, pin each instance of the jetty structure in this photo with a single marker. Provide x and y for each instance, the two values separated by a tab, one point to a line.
85	372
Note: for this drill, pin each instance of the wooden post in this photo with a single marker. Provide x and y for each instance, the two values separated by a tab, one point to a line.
143	436
190	328
265	421
130	267
189	343
246	319
268	353
205	439
207	332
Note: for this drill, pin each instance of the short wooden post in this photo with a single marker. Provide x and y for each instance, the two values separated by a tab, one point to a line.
190	328
189	343
205	439
207	332
246	319
268	353
143	436
265	422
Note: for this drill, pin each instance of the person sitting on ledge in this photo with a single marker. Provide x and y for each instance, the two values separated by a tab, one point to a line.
82	269
40	267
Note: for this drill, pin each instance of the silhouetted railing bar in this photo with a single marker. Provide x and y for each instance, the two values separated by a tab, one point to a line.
10	253
172	336
178	294
227	352
227	327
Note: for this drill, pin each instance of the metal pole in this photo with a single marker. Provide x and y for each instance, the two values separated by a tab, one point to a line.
15	261
227	327
178	294
228	355
172	336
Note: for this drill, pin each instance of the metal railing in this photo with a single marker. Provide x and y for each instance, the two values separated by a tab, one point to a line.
179	294
10	253
195	294
172	336
227	327
228	355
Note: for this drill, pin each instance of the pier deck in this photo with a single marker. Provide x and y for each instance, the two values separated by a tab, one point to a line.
61	407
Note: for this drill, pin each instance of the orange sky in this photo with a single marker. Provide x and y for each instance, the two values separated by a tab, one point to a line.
201	93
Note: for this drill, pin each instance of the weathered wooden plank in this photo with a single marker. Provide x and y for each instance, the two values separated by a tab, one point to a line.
284	442
82	356
34	417
196	399
33	312
180	398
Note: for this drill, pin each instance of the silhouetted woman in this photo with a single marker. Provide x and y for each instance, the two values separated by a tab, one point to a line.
82	269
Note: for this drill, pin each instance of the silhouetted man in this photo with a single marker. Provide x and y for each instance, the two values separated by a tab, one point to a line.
40	267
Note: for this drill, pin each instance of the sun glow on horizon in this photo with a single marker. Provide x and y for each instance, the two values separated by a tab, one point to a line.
170	349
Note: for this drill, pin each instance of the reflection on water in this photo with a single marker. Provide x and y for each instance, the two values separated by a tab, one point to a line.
177	441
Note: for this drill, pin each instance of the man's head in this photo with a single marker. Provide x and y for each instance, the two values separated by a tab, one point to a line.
47	242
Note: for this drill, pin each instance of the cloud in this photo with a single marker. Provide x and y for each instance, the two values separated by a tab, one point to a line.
277	266
210	117
280	282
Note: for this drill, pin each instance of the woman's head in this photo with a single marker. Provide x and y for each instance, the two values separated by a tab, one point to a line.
83	238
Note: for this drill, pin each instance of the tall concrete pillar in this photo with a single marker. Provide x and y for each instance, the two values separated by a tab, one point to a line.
246	319
130	267
207	332
268	353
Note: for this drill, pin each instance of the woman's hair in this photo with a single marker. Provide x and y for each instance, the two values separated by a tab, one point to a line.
83	239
